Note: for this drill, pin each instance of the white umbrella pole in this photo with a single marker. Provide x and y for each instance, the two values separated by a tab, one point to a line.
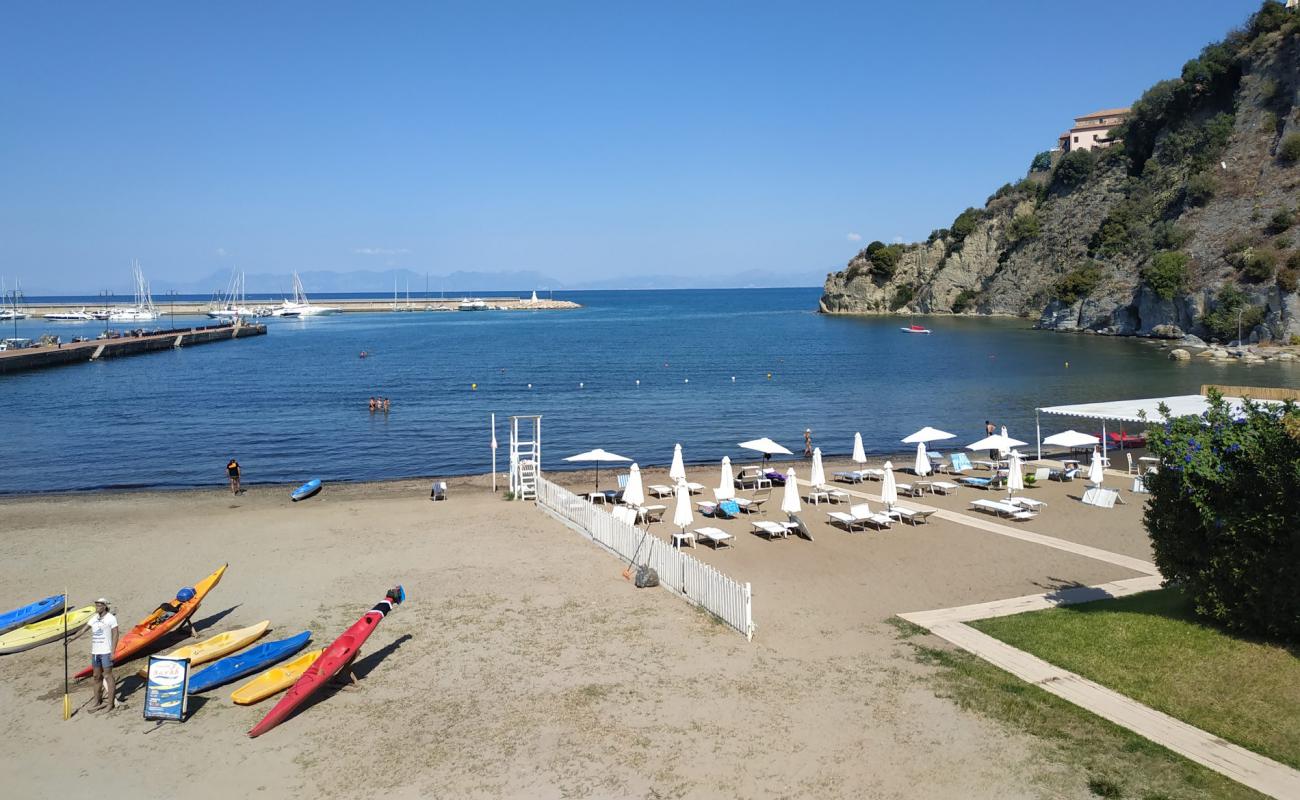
1038	434
1103	442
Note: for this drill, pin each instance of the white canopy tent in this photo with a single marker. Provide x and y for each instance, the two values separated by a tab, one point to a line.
1140	411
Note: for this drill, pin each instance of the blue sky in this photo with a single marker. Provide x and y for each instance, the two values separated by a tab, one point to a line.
582	140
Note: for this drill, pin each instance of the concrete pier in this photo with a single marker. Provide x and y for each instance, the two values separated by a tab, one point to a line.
345	305
95	349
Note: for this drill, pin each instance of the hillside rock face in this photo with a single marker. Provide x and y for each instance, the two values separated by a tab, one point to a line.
1072	254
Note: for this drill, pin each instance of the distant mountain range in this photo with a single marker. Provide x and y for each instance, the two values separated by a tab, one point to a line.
326	282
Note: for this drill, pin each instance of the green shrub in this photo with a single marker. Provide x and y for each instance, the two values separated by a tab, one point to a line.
1077	284
1167	274
1197	146
1024	227
936	235
1169	235
1074	168
963	226
1199	189
1288	279
1222	514
1121	232
1042	162
1259	265
1293	261
902	296
964	300
1281	220
884	260
1232	312
1288	152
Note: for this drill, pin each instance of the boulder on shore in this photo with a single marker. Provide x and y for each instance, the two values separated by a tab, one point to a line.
1179	354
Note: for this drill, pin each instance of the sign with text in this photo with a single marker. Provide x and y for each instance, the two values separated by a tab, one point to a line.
167	688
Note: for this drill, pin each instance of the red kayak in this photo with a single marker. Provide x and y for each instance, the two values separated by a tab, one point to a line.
337	657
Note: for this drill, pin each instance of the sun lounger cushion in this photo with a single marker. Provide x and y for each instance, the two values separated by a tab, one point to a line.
715	536
980	483
960	462
943	487
849	476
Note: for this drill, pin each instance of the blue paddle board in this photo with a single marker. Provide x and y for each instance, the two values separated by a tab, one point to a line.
251	660
308	489
32	612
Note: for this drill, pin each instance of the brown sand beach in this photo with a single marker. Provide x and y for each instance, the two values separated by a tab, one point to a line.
523	664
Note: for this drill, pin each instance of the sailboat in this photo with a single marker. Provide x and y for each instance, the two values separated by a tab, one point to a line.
300	306
143	310
14	311
234	304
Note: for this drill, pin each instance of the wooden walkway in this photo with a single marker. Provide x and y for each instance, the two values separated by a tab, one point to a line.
1250	769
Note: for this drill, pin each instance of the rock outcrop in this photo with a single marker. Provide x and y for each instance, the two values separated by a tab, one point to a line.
1140	239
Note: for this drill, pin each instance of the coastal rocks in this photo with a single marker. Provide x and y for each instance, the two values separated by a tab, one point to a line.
1192	341
1166	331
1179	354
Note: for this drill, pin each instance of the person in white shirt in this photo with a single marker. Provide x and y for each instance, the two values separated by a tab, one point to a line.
103	643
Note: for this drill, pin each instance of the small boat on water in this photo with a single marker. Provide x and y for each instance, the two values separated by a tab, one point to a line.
70	316
472	304
300	306
915	329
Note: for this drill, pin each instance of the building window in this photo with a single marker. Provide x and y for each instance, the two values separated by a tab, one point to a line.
1076	140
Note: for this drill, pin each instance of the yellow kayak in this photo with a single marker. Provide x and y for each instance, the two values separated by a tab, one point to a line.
220	645
275	679
47	630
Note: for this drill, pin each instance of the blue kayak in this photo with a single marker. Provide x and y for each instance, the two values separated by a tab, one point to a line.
308	489
32	612
251	660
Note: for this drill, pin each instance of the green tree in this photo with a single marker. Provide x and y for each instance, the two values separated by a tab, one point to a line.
1023	228
902	296
963	226
884	260
1288	152
1077	284
1232	312
1199	189
964	300
1074	168
1042	162
1259	265
1167	274
1223	514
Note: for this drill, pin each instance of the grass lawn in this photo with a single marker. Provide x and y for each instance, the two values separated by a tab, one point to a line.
1084	749
1149	647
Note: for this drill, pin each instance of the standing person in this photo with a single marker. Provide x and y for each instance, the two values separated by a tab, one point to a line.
233	471
103	643
372	405
385	405
989	430
807	443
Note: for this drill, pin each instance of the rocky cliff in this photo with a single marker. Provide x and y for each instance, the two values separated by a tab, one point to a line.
1188	224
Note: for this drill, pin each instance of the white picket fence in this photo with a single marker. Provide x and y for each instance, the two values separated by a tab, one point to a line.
679	573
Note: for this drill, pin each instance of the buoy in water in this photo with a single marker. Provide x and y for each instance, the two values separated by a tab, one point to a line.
580	385
769	376
733	378
686	380
638	381
473	387
530	386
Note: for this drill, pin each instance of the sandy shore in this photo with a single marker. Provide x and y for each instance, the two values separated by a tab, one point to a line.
523	665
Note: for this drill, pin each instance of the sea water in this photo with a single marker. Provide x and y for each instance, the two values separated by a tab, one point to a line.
632	372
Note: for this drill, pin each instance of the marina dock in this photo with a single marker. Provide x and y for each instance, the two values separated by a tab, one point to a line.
344	305
43	356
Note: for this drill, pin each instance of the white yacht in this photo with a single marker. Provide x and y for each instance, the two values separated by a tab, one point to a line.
234	304
472	304
70	316
300	306
143	310
11	310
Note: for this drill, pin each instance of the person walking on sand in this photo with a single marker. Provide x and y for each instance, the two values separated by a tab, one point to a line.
233	472
807	443
989	430
103	643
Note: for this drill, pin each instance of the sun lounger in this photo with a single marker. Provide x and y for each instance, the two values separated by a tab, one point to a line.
694	488
725	509
859	516
659	490
911	515
752	478
1042	474
714	536
943	487
750	505
1026	502
959	462
1063	475
849	476
622	481
771	529
650	514
724	493
909	489
989	465
799	528
978	483
1003	509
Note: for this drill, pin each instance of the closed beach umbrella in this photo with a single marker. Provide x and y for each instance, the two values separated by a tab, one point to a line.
767	447
928	434
634	493
678	470
727	480
1095	471
889	487
790	502
922	460
682	516
859	455
818	475
1016	475
1002	451
599	456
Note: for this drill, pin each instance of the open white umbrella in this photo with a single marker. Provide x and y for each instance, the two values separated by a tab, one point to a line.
889	487
634	492
599	456
859	455
678	470
998	441
922	466
767	447
818	474
1095	470
682	516
928	434
727	479
1071	439
790	500
1015	475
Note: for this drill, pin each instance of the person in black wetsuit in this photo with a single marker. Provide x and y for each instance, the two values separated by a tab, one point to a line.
233	471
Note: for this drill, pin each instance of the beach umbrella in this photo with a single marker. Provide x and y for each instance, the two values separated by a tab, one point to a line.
682	516
634	492
1015	475
790	501
922	460
727	480
928	434
767	447
1071	439
678	470
889	488
1095	471
859	455
599	456
998	441
818	475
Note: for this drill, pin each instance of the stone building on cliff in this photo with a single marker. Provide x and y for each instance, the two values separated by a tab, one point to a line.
1092	130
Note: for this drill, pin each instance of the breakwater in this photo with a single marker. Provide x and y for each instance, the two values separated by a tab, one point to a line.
50	355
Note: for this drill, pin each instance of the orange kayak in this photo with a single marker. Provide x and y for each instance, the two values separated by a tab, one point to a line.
151	630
